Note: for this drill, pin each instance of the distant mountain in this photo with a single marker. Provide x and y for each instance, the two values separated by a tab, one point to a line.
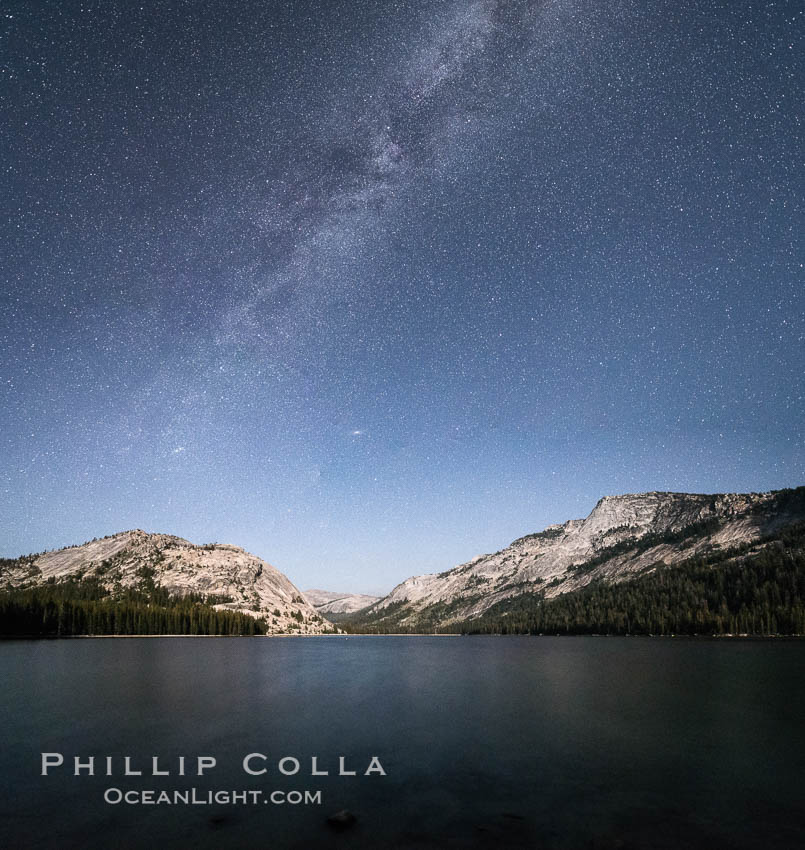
143	572
624	538
329	603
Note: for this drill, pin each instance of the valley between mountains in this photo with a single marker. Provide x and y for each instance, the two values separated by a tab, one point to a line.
650	563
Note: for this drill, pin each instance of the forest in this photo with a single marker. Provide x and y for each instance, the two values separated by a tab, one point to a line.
758	593
756	588
84	606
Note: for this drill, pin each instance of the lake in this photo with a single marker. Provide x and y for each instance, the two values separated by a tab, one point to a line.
487	742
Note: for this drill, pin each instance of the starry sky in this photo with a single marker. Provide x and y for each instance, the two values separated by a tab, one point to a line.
369	287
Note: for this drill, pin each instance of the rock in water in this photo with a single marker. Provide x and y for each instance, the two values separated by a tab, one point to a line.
342	820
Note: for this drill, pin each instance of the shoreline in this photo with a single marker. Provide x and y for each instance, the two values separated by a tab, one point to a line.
728	637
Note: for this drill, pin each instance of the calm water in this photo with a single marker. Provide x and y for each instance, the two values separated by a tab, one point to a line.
487	742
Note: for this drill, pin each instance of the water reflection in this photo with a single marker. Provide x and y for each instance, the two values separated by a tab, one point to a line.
487	742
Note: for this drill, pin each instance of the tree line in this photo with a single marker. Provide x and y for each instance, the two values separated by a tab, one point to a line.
756	592
754	588
85	606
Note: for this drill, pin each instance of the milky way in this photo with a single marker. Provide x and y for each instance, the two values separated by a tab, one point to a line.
371	288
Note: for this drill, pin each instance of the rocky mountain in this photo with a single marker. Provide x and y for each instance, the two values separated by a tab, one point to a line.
327	602
230	577
623	537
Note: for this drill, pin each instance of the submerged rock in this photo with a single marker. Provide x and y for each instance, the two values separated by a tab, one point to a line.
342	820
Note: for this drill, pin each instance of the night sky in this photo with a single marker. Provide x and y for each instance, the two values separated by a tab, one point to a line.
370	288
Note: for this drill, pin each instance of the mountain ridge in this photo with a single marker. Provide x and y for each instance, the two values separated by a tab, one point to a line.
331	603
622	536
132	560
